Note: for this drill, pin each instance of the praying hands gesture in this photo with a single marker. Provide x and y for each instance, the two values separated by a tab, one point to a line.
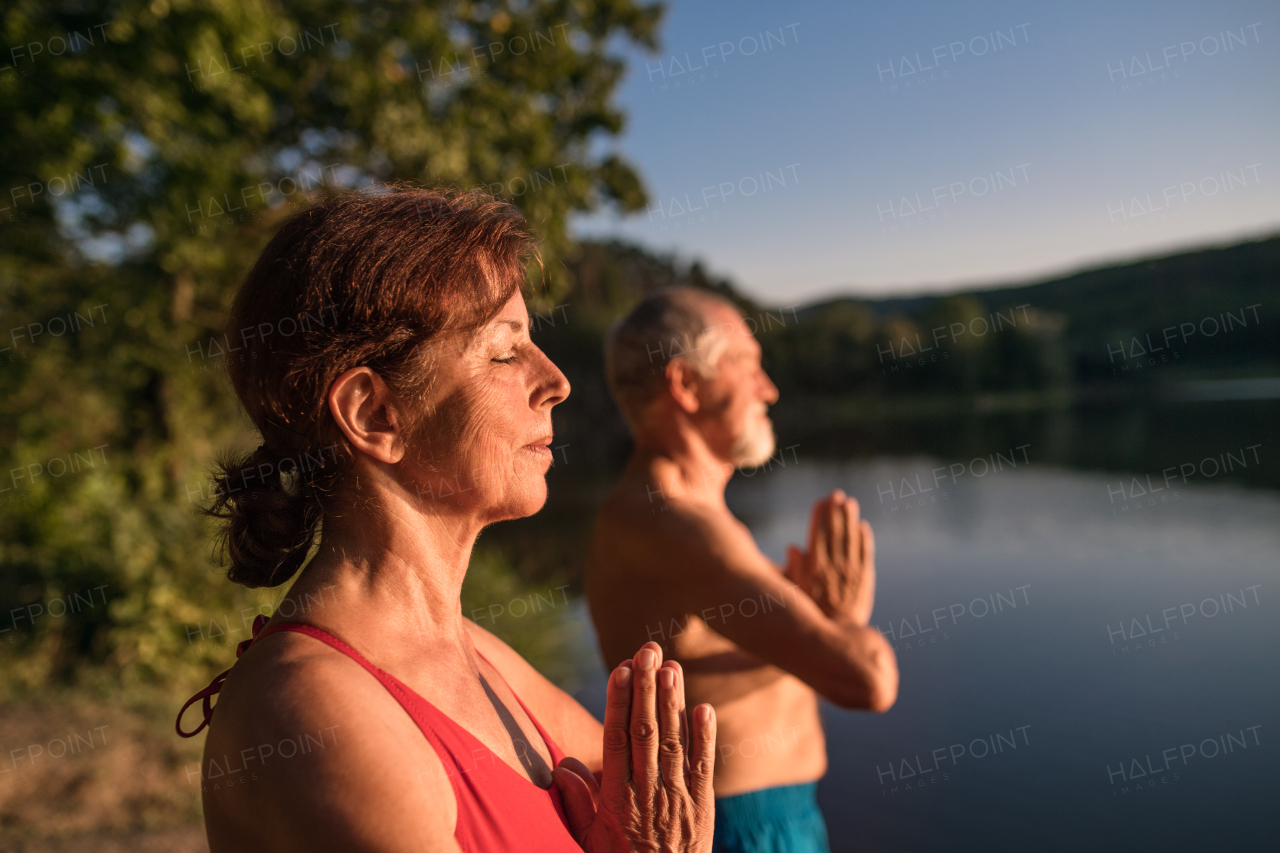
655	793
838	569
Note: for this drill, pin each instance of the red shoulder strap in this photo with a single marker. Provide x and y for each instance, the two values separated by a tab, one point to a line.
215	686
552	747
206	695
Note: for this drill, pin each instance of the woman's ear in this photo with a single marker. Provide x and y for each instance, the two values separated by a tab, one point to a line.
364	409
682	384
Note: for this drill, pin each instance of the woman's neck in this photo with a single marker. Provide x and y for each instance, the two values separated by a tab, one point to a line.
387	573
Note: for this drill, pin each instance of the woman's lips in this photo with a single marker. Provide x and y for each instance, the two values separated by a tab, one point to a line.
541	447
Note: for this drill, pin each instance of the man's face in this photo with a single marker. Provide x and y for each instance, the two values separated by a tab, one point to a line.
733	402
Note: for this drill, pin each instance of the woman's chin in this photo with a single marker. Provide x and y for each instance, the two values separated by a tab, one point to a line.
531	498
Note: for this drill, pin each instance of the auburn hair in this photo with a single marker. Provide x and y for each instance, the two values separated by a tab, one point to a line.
354	280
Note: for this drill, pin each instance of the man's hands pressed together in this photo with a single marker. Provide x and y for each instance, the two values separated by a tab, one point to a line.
838	569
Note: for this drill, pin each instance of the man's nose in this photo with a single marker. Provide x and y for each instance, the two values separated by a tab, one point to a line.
768	391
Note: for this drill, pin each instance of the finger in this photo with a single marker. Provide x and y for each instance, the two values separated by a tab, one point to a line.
799	569
657	651
670	750
837	542
792	569
853	552
644	721
578	800
684	714
702	759
684	717
684	738
818	531
617	737
868	554
571	763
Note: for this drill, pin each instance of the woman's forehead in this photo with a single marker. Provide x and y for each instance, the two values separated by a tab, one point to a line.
514	310
512	317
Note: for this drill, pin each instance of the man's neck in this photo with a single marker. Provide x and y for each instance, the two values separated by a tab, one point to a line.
679	464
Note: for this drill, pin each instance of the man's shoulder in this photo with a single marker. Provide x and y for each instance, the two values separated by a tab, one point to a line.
662	535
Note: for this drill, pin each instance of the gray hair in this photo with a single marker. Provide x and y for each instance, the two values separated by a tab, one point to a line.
669	324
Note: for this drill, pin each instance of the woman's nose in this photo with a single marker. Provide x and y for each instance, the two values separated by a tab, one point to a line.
553	386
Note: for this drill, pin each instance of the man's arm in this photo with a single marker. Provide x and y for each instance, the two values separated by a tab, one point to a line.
713	567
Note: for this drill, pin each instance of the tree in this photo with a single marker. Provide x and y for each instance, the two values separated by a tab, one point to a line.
149	149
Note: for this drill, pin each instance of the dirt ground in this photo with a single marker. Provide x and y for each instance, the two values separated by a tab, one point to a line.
186	840
84	775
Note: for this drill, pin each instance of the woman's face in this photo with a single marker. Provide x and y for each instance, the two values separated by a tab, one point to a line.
487	442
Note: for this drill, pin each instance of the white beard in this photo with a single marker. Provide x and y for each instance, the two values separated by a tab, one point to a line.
756	444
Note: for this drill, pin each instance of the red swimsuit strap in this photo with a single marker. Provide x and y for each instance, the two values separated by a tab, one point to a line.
499	811
215	686
393	684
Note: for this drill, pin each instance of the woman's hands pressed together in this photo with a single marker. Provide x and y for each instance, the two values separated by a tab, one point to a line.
656	792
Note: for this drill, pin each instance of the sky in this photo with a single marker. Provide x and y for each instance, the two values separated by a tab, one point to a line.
806	149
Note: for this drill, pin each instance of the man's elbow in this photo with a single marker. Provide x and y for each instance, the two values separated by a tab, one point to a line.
883	692
875	694
873	686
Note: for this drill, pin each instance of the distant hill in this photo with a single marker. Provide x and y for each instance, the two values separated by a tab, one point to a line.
1256	259
1108	305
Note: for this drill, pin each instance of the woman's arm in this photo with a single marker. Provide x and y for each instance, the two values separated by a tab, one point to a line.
578	733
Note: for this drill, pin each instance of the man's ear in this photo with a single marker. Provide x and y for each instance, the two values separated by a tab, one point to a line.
363	407
682	384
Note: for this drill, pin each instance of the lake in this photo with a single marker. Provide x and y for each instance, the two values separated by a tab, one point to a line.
1085	621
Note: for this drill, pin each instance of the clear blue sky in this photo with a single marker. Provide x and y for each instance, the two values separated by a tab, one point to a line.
1031	139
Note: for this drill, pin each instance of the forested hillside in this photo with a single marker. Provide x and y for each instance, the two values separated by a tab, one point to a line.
1122	330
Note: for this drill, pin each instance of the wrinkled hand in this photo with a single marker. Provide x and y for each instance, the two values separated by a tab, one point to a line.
655	793
838	570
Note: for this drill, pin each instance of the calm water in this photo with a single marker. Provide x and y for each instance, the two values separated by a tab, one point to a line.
1101	663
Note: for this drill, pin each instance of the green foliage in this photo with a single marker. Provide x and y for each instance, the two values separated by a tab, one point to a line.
150	148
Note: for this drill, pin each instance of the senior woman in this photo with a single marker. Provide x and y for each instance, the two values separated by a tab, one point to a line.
384	355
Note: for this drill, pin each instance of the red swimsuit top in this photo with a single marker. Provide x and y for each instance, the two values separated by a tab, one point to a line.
498	809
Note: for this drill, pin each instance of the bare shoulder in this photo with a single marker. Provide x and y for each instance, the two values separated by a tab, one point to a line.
659	535
288	681
625	508
688	537
308	751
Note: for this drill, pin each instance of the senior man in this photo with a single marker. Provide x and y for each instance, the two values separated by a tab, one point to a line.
669	562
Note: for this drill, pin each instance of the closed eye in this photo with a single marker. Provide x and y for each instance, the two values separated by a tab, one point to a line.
507	360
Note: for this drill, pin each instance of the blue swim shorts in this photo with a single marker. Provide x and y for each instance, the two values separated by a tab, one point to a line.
775	820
